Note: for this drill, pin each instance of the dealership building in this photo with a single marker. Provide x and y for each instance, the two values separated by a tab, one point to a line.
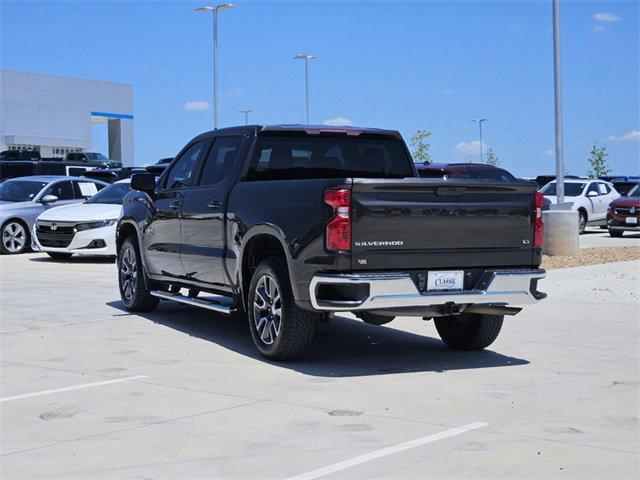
54	115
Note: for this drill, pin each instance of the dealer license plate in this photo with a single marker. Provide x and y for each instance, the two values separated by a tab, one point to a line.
632	220
445	280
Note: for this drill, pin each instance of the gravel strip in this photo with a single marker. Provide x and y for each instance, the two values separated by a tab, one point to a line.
591	256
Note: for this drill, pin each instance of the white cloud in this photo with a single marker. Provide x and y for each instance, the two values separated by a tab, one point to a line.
469	148
606	17
627	137
236	92
447	91
196	105
339	121
598	28
517	26
550	153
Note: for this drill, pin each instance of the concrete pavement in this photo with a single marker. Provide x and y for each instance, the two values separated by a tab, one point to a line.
181	393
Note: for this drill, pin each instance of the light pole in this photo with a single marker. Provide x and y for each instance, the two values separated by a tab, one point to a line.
246	115
214	10
480	120
306	59
557	89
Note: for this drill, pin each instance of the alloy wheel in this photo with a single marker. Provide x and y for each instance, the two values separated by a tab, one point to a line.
14	237
267	309
128	273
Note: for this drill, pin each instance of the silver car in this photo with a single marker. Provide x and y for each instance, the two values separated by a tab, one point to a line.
23	199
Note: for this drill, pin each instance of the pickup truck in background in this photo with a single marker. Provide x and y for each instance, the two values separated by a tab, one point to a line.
289	225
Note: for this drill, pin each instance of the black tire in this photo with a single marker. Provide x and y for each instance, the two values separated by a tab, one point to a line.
469	331
284	336
133	289
373	319
12	232
616	233
59	255
582	222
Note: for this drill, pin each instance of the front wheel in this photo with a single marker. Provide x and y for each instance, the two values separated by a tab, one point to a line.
469	331
616	233
279	328
15	237
133	290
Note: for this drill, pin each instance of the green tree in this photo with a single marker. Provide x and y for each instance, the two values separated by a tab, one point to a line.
598	161
421	148
492	158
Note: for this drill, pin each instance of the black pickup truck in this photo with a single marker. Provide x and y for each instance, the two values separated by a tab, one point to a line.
288	225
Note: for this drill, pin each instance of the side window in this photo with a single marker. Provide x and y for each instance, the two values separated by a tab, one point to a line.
62	190
86	189
593	188
604	188
182	170
220	160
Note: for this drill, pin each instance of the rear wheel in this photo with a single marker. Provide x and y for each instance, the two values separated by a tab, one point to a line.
582	222
469	331
279	328
616	233
14	237
133	290
59	255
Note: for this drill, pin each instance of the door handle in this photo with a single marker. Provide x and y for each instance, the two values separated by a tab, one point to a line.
174	205
215	203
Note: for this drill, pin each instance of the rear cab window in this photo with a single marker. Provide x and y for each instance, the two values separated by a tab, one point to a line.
289	156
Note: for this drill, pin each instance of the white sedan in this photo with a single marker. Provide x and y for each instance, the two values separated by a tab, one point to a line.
589	197
87	228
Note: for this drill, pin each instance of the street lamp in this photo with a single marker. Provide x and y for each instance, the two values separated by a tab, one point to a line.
480	120
557	89
306	59
214	10
246	115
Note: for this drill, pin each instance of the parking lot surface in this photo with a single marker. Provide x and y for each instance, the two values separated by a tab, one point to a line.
597	237
89	390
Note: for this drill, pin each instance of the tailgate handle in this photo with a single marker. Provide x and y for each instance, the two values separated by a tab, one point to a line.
450	191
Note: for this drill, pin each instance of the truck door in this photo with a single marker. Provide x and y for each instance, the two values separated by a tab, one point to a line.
162	236
203	214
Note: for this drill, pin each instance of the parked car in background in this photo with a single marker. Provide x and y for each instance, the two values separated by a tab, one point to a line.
44	166
92	158
624	184
111	175
23	199
16	155
542	180
590	198
87	228
292	224
463	170
624	213
160	166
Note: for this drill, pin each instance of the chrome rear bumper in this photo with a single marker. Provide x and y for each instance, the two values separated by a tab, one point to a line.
513	288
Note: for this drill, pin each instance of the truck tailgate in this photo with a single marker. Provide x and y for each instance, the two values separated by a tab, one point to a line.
433	223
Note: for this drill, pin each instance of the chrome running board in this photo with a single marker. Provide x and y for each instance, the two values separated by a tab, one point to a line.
219	304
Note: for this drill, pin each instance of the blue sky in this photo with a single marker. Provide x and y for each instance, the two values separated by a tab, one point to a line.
400	65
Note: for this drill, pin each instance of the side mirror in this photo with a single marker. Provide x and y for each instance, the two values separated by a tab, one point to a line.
48	199
145	182
592	194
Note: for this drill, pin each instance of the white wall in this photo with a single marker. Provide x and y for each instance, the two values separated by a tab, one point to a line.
55	111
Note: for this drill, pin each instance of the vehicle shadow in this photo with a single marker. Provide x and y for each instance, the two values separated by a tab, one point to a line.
75	259
347	348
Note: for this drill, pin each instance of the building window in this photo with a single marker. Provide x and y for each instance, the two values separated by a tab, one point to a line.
62	151
20	146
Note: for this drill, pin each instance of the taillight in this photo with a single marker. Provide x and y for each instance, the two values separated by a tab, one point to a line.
339	228
538	226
